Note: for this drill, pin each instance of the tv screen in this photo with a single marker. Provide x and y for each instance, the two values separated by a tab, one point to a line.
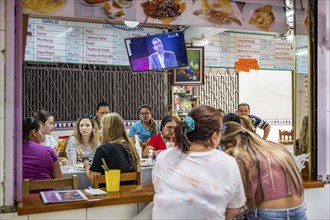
157	52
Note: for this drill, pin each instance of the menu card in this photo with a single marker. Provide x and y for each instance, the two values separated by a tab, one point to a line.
226	48
54	40
62	196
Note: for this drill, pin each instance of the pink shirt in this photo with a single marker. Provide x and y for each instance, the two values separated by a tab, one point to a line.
272	189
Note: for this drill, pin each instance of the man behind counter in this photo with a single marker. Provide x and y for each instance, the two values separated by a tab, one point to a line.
101	109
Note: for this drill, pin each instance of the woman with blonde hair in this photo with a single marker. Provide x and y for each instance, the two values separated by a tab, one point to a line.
272	182
302	142
116	148
247	122
85	138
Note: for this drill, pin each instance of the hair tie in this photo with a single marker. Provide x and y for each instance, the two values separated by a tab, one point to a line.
190	122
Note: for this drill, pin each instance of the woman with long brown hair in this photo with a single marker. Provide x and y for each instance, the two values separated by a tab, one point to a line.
146	127
116	148
272	182
85	138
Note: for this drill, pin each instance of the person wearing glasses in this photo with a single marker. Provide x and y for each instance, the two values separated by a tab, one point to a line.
85	138
146	127
194	180
158	142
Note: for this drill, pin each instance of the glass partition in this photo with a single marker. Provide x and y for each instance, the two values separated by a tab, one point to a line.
304	90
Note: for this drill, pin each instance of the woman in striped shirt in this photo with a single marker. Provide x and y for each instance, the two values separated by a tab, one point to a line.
85	138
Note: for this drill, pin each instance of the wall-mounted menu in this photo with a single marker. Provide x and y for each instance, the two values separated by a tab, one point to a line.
224	49
52	40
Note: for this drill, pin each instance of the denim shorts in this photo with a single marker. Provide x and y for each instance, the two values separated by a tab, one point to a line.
296	213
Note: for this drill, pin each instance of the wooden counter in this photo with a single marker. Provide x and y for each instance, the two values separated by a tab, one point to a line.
128	194
313	184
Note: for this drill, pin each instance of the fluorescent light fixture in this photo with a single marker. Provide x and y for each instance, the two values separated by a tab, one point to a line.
301	53
289	13
131	24
289	37
203	42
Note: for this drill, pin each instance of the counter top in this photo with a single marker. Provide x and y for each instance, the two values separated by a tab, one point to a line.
32	204
313	184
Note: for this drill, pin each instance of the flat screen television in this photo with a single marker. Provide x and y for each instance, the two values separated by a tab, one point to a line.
157	52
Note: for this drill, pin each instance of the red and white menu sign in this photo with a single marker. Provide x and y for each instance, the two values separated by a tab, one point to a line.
52	40
227	48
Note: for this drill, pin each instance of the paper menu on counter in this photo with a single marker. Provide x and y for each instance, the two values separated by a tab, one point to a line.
95	192
62	196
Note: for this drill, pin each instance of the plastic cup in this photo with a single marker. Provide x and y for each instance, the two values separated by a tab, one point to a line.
72	158
112	180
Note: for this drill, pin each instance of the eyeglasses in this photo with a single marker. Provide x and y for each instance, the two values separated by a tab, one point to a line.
145	113
170	128
86	116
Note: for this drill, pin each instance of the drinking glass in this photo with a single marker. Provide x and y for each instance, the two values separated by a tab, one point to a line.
72	158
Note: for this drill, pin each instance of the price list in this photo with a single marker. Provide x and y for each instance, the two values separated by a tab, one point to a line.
227	48
52	40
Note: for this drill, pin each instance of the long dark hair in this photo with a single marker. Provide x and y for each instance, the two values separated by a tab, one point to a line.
207	120
29	124
152	122
42	115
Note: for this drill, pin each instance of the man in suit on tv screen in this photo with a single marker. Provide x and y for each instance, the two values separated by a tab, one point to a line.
161	58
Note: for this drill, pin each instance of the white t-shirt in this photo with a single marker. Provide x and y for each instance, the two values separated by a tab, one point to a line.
49	141
197	185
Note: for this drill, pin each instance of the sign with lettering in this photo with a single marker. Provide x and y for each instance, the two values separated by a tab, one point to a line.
226	48
53	40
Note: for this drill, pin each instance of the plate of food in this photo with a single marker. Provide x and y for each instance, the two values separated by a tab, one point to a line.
93	3
263	17
44	6
220	12
164	10
114	10
145	163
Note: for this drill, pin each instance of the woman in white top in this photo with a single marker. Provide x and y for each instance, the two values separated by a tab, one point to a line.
194	180
47	122
85	138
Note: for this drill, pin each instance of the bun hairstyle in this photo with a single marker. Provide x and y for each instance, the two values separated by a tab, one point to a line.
152	122
29	124
202	122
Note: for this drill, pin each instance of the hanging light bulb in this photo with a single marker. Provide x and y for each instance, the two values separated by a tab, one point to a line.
131	24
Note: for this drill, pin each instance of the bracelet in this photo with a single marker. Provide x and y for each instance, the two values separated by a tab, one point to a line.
86	165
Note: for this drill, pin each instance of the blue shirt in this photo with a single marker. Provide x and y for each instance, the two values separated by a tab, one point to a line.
143	133
258	122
